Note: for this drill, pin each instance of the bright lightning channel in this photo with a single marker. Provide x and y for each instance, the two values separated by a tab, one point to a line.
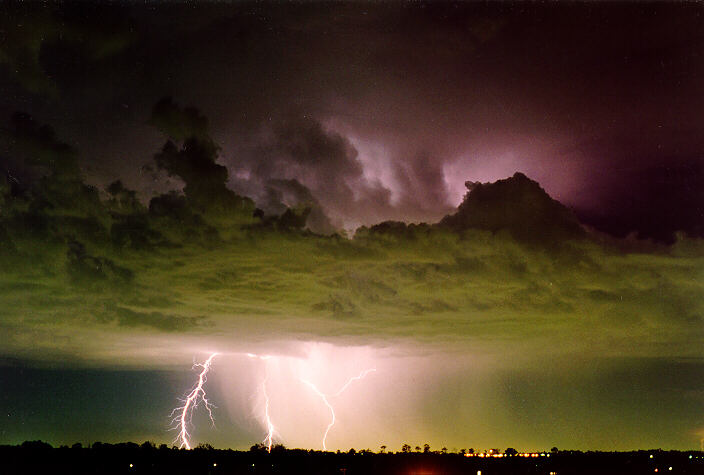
325	400
182	415
269	439
324	397
271	430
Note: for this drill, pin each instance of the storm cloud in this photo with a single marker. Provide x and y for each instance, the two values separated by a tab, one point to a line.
511	270
402	102
498	205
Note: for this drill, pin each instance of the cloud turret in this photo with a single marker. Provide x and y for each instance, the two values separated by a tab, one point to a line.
517	205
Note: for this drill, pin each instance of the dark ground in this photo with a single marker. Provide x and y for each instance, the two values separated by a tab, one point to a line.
128	458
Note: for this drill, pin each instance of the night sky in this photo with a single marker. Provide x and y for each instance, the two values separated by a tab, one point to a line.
498	207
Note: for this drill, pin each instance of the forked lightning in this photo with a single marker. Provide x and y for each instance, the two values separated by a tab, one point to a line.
325	397
182	415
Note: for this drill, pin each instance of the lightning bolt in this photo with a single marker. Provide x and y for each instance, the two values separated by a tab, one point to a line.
271	430
361	375
324	397
182	415
269	439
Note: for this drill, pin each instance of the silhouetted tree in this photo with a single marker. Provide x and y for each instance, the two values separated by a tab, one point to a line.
405	448
426	448
147	445
258	448
511	451
278	449
36	445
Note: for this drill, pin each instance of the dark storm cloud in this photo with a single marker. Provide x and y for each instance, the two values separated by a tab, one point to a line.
298	148
100	278
45	193
517	205
264	74
44	49
126	238
281	194
309	164
409	101
33	149
194	160
509	256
